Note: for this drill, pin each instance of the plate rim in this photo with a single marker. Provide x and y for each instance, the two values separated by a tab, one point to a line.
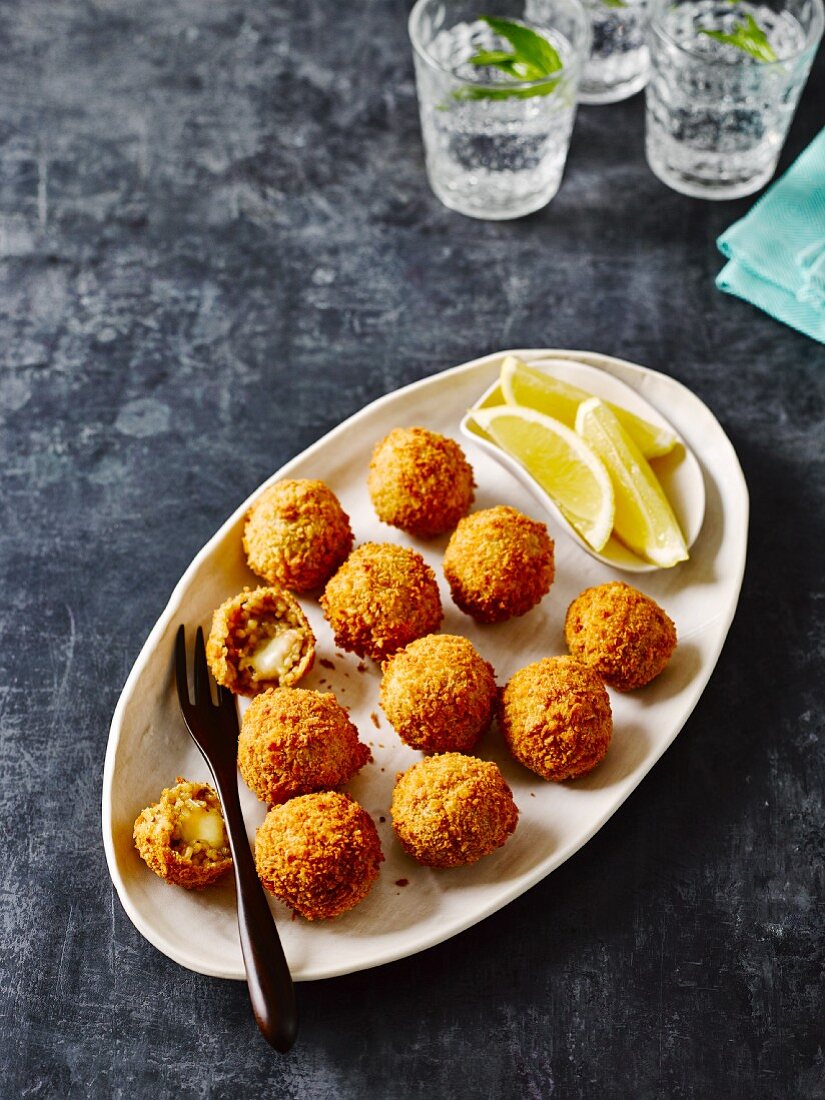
172	606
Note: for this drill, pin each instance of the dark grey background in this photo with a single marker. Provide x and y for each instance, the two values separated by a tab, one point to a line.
217	241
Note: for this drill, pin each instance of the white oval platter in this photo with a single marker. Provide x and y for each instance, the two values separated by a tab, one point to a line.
678	471
148	746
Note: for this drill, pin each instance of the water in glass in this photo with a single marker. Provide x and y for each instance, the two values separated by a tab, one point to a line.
618	64
716	116
492	157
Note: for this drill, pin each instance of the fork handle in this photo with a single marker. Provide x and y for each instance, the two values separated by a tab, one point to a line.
267	974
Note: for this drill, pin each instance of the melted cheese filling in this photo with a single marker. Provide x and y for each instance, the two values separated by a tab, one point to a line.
271	660
197	823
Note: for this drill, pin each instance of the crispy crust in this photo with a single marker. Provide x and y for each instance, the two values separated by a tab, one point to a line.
295	741
318	853
450	810
245	621
297	534
621	633
439	693
420	481
556	719
191	866
383	597
499	563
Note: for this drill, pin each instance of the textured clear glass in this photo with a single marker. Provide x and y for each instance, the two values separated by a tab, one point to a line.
717	117
618	65
495	148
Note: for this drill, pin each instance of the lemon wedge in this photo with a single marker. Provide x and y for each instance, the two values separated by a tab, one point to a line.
644	520
534	389
560	461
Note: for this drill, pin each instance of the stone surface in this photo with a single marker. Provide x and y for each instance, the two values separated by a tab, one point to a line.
216	241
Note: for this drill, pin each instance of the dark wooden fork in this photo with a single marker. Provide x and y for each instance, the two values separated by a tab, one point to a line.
214	729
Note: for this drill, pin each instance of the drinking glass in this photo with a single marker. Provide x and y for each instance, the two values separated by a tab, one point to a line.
717	115
495	146
619	63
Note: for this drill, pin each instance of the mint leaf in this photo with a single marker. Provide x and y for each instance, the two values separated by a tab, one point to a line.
506	93
748	36
505	63
621	3
529	47
532	59
491	57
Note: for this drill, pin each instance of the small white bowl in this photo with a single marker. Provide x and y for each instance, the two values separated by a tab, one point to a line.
678	472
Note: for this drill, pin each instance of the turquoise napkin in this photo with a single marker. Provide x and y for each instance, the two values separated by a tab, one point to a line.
777	251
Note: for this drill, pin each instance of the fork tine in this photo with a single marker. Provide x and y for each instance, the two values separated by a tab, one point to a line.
226	700
203	689
181	677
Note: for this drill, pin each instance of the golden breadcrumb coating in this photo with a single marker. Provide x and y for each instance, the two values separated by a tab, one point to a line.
318	853
295	741
621	633
182	837
420	481
381	598
439	693
556	719
260	639
451	809
297	534
499	563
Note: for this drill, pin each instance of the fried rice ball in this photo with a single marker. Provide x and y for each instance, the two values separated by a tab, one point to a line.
260	639
621	633
318	853
383	597
295	741
420	481
297	534
182	837
556	719
439	693
450	810
499	563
